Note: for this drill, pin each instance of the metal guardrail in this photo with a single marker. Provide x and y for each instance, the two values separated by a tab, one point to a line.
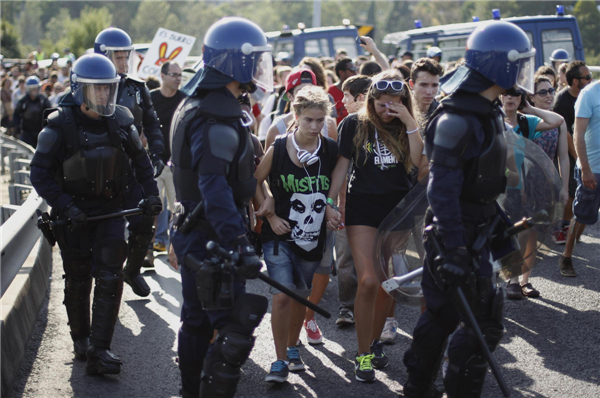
19	220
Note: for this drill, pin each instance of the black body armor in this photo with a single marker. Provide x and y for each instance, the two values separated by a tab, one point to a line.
96	169
220	133
485	175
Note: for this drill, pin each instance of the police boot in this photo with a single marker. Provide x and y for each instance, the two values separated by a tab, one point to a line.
77	303
105	311
138	247
149	260
100	361
411	391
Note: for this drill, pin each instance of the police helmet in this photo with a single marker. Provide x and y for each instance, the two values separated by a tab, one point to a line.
560	55
238	48
54	56
94	82
502	52
434	52
32	86
116	45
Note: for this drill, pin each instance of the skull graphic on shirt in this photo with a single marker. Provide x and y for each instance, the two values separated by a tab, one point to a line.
308	211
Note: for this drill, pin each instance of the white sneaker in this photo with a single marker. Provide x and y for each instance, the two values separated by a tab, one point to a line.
388	336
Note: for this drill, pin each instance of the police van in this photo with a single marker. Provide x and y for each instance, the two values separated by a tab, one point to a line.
546	33
290	46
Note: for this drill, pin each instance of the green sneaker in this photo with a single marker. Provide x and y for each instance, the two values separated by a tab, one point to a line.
363	368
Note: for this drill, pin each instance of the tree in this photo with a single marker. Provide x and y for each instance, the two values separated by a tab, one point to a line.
588	19
150	16
29	23
82	32
10	40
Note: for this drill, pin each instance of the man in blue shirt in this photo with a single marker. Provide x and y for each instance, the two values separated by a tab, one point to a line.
587	171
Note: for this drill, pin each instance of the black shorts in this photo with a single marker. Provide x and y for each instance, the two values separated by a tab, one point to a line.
370	210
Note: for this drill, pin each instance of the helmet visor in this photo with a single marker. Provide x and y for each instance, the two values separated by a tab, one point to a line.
263	71
98	97
122	58
525	80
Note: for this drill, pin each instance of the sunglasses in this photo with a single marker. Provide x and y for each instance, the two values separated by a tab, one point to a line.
543	93
384	85
586	77
351	69
175	75
511	92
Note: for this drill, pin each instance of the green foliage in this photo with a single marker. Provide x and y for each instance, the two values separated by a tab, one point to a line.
10	40
82	32
588	19
150	16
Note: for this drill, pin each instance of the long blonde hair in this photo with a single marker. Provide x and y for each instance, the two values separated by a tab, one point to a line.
393	134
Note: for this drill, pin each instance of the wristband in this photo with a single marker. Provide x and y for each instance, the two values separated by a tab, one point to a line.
412	131
334	207
329	201
507	172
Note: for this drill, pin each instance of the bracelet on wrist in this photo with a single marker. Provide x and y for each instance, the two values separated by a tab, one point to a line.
329	201
412	131
334	207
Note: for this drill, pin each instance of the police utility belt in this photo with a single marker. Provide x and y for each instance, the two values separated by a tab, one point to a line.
186	220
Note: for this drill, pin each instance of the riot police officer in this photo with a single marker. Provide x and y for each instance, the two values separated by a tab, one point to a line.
213	159
135	96
467	153
89	136
29	111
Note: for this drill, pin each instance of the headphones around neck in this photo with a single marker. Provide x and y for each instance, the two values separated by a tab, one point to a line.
303	155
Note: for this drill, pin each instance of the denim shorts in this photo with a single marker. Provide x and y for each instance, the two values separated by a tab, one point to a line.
587	201
289	269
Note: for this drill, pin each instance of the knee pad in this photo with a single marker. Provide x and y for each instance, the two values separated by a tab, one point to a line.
192	345
113	253
248	312
467	367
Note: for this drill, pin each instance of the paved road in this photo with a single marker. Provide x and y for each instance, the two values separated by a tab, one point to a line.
552	347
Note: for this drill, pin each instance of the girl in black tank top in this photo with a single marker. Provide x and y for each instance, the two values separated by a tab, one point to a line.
299	168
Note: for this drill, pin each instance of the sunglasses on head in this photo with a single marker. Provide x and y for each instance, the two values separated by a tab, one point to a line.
543	93
385	85
586	77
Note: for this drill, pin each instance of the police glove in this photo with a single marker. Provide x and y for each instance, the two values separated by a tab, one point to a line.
158	165
77	216
152	206
456	266
248	264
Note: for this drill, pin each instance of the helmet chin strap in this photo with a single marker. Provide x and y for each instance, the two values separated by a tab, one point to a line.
249	87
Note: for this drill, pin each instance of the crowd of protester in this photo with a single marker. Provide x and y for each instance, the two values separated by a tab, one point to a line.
355	125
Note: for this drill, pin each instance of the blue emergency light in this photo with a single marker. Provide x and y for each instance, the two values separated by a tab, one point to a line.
560	10
475	19
418	24
496	14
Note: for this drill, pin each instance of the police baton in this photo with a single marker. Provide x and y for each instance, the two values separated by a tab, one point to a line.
218	251
124	213
431	236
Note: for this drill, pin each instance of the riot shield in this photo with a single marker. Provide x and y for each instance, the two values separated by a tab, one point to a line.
533	192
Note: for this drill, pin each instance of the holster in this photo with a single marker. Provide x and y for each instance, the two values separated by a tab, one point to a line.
214	282
184	221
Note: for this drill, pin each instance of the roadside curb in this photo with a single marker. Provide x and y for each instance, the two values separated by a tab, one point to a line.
20	307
